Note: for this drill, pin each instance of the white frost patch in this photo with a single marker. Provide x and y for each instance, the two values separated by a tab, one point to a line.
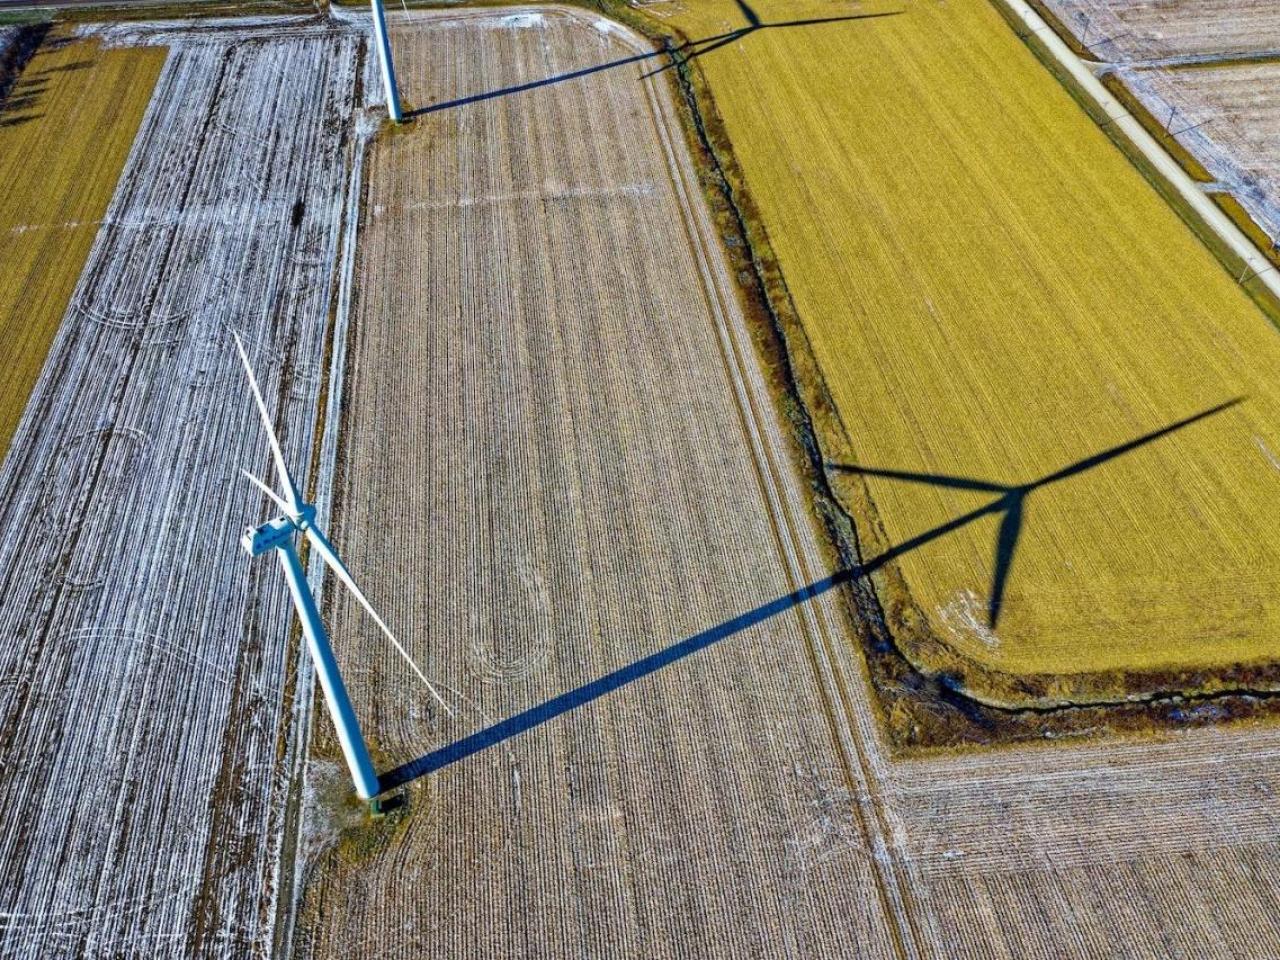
605	27
185	34
966	616
519	21
1267	452
324	817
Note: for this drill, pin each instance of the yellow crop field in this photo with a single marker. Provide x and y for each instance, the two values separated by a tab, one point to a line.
1018	335
65	131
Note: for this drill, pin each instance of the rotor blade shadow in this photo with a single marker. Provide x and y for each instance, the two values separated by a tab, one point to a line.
1012	498
1088	463
565	702
931	479
1010	503
699	47
1006	546
534	84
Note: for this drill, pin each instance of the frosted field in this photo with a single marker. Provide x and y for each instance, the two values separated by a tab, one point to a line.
146	674
1188	62
1121	30
1229	118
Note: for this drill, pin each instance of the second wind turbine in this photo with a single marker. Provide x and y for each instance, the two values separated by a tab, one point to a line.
383	41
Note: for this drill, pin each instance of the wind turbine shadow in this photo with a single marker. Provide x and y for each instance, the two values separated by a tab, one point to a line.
699	48
1010	501
690	49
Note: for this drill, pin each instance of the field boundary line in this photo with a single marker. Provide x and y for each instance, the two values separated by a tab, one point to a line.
866	800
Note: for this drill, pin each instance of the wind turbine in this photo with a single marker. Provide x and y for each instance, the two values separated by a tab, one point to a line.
384	57
278	534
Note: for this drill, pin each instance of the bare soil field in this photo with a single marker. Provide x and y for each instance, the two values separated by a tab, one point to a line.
1143	849
1120	30
571	463
559	459
1228	117
146	672
66	127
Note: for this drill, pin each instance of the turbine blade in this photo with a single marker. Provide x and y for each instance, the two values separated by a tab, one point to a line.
275	497
330	556
286	480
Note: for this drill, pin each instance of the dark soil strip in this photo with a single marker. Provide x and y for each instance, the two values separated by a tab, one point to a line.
17	54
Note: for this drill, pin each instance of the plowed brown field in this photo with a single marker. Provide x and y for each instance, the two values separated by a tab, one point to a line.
559	461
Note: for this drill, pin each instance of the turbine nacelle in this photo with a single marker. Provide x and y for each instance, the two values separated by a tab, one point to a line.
275	532
267	536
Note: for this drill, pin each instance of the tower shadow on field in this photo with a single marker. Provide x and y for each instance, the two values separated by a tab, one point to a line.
698	48
1010	501
676	54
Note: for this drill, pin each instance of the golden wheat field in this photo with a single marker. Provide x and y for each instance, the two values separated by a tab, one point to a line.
994	296
65	132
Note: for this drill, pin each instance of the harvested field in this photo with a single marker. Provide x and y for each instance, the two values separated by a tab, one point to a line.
65	131
1120	30
1228	117
560	459
559	455
1146	849
146	668
991	325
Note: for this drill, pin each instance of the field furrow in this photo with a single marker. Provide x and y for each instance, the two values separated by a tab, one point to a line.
559	460
1228	117
1121	30
144	705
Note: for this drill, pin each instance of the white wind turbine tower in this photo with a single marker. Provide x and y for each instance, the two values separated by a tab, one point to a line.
278	534
384	57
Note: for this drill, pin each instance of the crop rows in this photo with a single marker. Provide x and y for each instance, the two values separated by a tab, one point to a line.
144	667
558	459
1006	298
1122	30
1229	118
